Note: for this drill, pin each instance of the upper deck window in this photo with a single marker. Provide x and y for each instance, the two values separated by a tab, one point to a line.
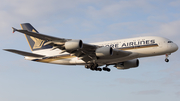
170	42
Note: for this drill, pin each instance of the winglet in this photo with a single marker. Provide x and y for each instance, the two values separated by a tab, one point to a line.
14	29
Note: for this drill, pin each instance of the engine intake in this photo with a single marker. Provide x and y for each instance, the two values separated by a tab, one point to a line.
73	45
104	51
128	64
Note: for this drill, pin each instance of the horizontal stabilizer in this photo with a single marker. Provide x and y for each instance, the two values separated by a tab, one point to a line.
24	53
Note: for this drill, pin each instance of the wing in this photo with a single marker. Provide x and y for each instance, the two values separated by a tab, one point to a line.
40	36
87	53
24	53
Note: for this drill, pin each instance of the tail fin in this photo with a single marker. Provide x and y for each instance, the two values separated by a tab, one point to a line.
34	43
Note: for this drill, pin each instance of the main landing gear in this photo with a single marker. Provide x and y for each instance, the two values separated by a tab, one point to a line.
167	60
94	67
106	69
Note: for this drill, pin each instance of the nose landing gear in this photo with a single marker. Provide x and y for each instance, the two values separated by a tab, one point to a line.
167	60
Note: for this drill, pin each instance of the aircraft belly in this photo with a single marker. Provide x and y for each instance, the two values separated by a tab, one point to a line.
151	51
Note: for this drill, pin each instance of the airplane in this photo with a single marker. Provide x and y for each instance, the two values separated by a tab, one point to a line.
122	54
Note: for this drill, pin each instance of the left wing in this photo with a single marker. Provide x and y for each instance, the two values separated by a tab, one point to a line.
86	52
40	36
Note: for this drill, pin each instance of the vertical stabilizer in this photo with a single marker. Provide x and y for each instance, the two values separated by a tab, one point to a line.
34	43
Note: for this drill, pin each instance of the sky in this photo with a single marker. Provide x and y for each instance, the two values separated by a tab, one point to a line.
90	21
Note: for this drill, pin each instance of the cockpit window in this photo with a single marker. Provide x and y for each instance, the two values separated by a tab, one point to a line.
170	42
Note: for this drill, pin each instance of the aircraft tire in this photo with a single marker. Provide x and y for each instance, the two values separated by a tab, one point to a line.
167	60
99	69
108	70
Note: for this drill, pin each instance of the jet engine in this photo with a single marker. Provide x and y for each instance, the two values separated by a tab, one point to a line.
128	64
104	51
73	45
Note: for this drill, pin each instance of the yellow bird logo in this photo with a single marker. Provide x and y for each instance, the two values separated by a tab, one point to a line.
37	42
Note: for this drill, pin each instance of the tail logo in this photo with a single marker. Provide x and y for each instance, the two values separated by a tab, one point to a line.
38	43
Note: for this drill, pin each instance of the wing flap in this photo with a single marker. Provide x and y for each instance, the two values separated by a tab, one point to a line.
24	53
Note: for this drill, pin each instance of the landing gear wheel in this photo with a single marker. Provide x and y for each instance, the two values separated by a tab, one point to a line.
106	69
99	69
94	67
87	66
167	60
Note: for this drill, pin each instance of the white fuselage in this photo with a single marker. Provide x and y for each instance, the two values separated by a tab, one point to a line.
140	47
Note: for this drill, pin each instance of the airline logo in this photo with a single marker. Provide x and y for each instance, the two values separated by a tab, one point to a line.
38	43
131	44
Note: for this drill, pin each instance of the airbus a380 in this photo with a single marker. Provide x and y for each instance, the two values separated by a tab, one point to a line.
123	54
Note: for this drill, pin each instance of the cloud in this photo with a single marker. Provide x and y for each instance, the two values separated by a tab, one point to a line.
119	9
100	37
170	29
175	3
4	68
178	93
130	81
98	17
25	65
129	28
149	92
172	75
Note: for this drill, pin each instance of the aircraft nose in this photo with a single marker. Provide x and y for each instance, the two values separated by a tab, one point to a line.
175	47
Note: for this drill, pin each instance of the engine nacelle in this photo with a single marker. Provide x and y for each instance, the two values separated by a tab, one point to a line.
104	51
73	45
128	64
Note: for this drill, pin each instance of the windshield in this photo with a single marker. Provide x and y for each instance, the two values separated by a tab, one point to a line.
170	42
